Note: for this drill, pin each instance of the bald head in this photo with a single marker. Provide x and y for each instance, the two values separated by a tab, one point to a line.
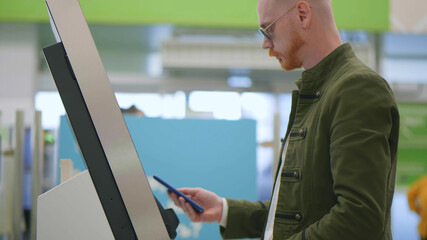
321	9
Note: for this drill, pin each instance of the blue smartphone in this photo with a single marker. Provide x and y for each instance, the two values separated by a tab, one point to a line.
196	206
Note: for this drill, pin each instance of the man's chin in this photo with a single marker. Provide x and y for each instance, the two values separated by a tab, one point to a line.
287	63
286	66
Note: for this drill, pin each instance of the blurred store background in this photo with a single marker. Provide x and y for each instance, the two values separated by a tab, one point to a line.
195	60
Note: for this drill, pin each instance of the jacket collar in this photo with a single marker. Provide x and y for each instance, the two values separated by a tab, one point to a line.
316	77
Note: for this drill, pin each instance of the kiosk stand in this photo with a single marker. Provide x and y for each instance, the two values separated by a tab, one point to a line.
113	198
72	210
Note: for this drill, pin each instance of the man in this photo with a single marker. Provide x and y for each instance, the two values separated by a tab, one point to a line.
417	199
337	168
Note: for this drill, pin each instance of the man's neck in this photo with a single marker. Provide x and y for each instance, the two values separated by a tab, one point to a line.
318	50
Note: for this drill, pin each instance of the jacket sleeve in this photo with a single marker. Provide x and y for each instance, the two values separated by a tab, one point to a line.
245	219
363	144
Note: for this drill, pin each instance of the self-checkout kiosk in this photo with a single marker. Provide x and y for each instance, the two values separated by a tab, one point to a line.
112	199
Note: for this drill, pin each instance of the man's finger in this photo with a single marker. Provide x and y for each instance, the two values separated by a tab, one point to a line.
188	209
174	198
193	215
181	201
189	191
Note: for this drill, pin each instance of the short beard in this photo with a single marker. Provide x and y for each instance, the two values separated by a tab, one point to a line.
291	61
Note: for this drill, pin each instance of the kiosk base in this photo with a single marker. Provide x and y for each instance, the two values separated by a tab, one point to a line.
72	210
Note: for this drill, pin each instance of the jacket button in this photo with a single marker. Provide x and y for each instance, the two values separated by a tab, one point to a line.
318	94
298	217
301	133
296	175
282	140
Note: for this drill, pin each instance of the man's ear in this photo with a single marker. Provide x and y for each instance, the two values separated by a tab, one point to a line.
304	14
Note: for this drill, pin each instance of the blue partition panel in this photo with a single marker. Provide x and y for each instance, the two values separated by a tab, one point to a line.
217	155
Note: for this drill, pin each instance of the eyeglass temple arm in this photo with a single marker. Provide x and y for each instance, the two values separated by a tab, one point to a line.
277	19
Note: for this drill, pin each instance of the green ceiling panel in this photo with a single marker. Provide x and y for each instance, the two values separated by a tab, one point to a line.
352	15
370	15
23	10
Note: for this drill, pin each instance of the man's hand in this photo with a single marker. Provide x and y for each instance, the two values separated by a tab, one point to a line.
211	203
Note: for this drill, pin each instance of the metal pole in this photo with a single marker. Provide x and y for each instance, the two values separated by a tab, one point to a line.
379	52
37	169
2	191
1	149
17	185
7	174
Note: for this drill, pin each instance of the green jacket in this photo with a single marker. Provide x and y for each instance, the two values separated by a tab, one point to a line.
339	173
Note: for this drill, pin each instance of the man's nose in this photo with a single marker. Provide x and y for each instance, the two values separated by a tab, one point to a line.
267	43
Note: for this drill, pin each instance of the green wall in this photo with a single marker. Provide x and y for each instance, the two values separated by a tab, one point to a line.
412	155
370	15
352	15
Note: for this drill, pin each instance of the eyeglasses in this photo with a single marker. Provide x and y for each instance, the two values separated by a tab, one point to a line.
264	31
